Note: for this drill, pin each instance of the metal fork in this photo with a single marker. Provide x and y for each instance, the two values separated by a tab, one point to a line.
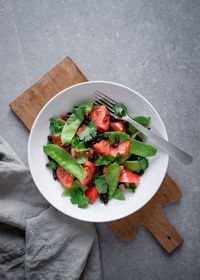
170	149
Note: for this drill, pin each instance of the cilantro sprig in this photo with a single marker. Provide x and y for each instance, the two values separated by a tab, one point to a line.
52	165
80	112
56	126
78	198
89	132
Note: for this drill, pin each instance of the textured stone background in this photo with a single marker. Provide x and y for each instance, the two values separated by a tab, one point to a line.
151	46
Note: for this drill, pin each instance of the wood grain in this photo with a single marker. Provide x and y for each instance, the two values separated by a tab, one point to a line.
152	217
66	73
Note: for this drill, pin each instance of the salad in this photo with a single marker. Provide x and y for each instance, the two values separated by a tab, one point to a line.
94	155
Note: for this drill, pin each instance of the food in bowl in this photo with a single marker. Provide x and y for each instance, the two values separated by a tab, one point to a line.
94	155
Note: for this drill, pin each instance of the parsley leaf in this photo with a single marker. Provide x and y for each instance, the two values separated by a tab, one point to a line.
78	197
100	183
80	112
120	109
75	186
118	195
75	141
82	159
52	165
56	126
132	187
102	160
89	132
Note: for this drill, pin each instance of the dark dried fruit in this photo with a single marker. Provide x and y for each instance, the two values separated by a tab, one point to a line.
133	157
88	144
54	175
105	137
49	138
117	140
91	184
100	130
138	137
99	170
112	119
126	124
97	139
139	173
104	197
95	156
115	145
66	145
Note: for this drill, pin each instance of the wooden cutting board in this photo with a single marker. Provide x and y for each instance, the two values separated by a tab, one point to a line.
66	73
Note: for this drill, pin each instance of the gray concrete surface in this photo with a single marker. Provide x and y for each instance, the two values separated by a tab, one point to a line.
151	46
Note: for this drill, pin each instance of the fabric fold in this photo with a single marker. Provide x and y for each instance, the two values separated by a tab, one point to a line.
36	240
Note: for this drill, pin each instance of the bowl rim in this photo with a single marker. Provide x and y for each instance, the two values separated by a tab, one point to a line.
102	82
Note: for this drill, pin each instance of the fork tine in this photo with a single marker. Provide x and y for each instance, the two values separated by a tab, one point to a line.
106	97
101	102
109	107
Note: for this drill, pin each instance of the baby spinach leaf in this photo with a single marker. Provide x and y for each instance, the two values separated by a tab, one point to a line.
122	136
141	149
120	109
100	183
118	195
144	121
56	126
144	163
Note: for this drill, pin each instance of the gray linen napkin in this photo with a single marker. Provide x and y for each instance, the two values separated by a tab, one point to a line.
36	240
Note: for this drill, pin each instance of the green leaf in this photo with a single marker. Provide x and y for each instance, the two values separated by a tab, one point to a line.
144	121
120	109
52	165
132	165
75	141
82	159
78	198
118	195
112	177
141	149
75	186
100	183
132	187
80	112
102	160
56	126
122	159
144	163
81	147
89	132
122	136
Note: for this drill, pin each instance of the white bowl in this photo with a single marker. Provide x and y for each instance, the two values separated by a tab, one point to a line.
52	190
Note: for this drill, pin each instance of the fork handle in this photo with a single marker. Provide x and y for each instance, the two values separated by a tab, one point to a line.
167	147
